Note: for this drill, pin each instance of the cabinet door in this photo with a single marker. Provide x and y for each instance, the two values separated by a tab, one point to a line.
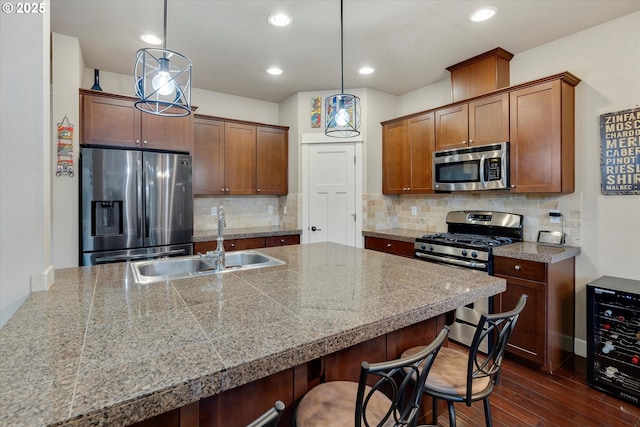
208	157
421	143
395	158
110	121
166	133
535	150
489	120
271	160
452	127
239	158
528	340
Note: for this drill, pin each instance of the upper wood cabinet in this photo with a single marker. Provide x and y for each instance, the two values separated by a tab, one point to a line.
232	157
113	120
208	156
272	153
406	157
239	158
478	122
542	137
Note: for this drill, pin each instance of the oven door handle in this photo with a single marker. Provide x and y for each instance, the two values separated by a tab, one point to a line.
483	181
454	261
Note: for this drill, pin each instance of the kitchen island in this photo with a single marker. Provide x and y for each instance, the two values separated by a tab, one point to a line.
100	349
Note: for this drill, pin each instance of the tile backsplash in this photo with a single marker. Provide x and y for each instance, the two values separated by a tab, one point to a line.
246	211
382	211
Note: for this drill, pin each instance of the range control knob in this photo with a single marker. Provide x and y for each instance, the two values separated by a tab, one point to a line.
423	246
474	254
431	247
464	252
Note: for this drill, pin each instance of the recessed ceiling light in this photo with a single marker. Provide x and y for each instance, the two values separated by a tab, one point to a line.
483	14
151	39
274	71
279	19
366	70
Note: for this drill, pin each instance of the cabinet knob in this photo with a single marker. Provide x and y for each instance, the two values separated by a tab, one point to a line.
464	142
233	245
258	190
282	241
517	267
388	245
222	189
513	186
144	142
471	141
226	189
137	142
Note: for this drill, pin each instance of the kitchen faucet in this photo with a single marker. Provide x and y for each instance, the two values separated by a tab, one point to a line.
222	223
217	256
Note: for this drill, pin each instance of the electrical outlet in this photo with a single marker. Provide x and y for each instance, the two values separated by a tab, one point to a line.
414	211
270	209
284	210
214	211
554	216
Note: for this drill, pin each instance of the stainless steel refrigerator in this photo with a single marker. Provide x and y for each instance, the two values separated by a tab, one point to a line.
134	205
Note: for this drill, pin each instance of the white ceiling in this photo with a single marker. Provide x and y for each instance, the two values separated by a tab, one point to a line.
408	42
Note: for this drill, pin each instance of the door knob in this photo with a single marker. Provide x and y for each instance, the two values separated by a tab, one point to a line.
314	228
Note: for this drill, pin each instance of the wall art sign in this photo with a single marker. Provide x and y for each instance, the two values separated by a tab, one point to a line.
620	152
316	117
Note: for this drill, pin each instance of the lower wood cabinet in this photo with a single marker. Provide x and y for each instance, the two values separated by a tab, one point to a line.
544	333
390	246
248	243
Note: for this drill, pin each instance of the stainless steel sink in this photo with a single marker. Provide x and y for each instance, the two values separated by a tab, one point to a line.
158	270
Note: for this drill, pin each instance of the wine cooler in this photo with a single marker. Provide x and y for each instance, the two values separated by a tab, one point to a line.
613	337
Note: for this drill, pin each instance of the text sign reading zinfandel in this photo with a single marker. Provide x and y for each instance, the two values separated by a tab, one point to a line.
620	158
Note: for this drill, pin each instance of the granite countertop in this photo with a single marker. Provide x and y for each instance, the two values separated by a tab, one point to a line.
535	252
243	233
400	234
531	251
98	348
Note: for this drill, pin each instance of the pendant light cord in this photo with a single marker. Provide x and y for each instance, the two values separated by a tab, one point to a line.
341	52
164	41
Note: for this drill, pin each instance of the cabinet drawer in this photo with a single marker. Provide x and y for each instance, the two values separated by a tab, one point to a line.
241	244
394	247
520	268
283	240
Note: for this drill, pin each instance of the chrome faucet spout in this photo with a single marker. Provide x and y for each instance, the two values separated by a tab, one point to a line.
222	223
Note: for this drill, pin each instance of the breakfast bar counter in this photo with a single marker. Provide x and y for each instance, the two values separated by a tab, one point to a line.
100	349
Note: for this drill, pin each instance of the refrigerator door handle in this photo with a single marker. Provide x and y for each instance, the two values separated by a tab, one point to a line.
147	201
139	185
102	260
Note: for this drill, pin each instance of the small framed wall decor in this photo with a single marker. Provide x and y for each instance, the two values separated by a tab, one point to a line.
620	152
316	114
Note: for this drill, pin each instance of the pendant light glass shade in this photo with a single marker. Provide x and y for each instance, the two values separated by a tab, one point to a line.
342	115
342	111
163	80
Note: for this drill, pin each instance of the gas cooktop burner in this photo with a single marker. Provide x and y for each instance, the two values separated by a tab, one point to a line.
470	239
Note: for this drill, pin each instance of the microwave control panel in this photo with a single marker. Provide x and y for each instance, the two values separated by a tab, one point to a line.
493	170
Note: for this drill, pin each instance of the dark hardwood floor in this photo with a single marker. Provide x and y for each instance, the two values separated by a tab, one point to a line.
530	397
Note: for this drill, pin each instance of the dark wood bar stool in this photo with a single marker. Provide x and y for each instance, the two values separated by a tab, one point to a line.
467	377
393	400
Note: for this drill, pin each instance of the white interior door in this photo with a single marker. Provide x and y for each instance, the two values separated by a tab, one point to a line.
332	198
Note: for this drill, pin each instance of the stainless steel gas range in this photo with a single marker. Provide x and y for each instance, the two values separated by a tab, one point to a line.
469	243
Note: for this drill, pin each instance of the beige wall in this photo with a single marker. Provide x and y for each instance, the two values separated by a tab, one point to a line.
25	171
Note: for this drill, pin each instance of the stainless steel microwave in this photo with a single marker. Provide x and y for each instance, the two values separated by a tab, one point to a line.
485	167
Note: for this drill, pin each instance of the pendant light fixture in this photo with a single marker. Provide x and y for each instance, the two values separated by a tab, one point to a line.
163	80
342	112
